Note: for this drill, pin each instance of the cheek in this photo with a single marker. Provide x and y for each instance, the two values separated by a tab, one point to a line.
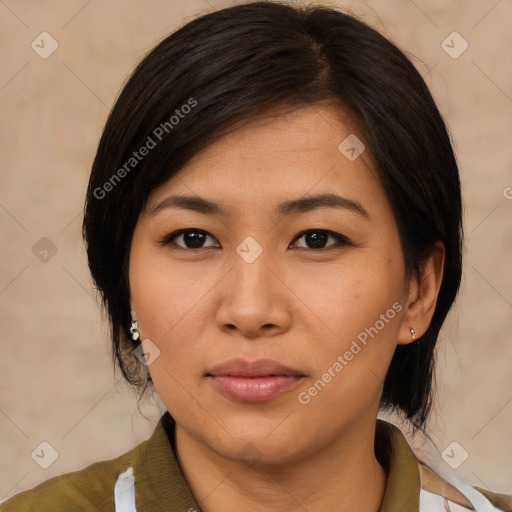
361	305
167	296
351	296
168	303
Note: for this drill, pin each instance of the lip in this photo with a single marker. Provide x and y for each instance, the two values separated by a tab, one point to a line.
253	381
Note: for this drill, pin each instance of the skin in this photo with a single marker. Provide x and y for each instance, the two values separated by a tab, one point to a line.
296	304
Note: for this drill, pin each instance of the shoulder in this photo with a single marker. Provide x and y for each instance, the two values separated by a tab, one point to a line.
449	492
502	501
148	477
89	489
414	485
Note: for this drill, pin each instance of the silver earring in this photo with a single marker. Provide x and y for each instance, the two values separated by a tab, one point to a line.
413	333
134	329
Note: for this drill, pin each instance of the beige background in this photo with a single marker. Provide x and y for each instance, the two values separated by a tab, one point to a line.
55	372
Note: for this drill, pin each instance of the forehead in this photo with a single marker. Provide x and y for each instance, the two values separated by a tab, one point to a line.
272	159
304	130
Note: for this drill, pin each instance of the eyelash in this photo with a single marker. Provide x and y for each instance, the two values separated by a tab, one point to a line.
341	240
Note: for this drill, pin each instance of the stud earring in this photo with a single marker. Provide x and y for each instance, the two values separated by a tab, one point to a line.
413	333
134	329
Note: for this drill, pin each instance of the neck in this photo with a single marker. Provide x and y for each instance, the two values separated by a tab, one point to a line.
344	476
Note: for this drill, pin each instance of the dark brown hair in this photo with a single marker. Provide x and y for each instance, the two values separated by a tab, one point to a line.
228	67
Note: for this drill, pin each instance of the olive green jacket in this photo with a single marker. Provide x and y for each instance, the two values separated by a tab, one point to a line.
149	479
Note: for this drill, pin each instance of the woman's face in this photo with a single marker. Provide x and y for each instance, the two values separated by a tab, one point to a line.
271	327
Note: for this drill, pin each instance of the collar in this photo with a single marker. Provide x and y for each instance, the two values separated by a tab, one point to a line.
403	485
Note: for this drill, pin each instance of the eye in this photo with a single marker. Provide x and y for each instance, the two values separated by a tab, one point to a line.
195	238
317	239
191	238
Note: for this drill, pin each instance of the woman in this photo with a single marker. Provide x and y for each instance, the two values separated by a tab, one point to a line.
273	219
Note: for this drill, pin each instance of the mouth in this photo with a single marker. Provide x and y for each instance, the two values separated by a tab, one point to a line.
255	381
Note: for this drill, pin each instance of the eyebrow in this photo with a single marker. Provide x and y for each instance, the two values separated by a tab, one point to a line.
303	204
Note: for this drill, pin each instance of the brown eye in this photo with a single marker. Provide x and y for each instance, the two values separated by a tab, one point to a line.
190	239
318	238
195	239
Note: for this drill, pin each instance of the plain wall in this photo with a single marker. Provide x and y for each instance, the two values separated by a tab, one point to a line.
56	380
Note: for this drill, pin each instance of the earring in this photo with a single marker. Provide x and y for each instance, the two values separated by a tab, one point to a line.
413	333
134	329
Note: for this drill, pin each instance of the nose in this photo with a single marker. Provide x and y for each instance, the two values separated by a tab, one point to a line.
254	301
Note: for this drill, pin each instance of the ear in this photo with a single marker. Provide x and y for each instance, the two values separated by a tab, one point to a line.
422	296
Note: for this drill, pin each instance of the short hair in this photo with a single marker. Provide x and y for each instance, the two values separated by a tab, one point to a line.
226	68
